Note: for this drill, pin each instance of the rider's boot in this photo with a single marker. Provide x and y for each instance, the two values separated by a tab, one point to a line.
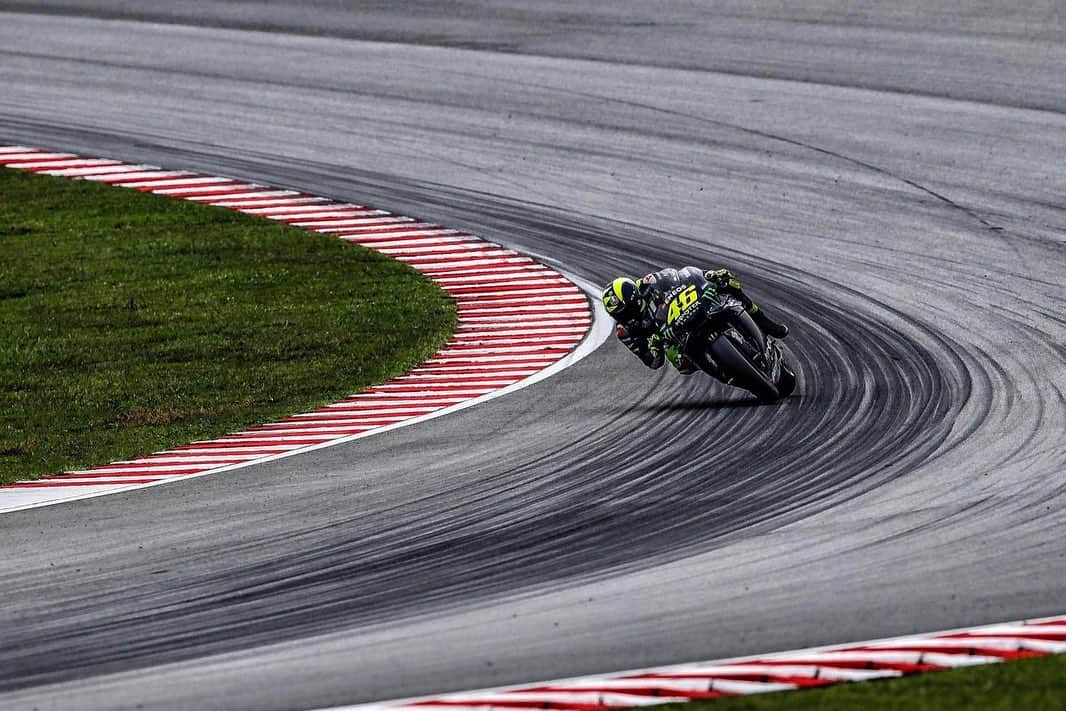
768	325
724	280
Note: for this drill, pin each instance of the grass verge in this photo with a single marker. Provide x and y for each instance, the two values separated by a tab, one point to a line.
1037	683
130	323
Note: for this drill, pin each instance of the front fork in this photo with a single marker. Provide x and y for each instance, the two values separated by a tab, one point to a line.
768	355
747	328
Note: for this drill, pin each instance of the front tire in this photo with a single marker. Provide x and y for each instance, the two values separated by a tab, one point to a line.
741	371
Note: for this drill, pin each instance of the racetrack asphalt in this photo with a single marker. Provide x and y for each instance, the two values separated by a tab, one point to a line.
890	183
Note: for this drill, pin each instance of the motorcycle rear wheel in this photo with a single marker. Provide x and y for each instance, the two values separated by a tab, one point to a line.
786	383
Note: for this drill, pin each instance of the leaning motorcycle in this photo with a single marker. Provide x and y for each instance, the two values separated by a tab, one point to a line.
715	332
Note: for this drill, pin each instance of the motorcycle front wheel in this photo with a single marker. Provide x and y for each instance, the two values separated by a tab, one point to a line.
741	371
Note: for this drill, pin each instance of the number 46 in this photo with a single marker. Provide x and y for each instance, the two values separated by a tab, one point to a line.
681	303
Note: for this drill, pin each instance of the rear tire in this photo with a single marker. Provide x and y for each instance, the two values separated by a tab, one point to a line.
744	375
786	384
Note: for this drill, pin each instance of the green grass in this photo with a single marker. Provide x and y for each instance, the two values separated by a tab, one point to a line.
130	323
1033	684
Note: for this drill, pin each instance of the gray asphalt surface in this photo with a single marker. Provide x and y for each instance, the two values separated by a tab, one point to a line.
889	181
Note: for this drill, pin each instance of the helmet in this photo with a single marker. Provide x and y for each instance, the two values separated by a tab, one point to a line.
622	299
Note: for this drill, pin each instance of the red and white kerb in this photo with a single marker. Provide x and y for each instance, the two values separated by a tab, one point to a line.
516	317
785	671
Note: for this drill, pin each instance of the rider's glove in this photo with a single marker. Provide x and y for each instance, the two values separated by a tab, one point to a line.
653	356
722	278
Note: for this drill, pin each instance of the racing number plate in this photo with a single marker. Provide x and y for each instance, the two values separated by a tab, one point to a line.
681	307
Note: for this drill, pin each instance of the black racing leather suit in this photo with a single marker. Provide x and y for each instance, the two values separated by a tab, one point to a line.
641	333
641	336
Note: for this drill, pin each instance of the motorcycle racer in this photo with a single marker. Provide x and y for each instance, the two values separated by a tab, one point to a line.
628	302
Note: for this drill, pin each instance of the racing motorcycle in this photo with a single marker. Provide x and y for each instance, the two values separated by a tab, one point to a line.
716	333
